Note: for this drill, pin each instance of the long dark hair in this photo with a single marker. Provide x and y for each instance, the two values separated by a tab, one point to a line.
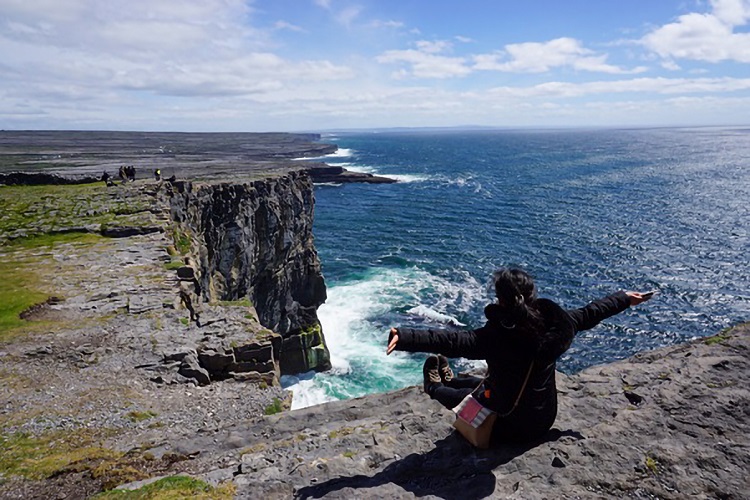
516	295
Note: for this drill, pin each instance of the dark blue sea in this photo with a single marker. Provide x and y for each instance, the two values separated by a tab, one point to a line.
586	212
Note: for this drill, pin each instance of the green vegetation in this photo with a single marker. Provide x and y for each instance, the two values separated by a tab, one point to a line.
40	217
113	473
274	407
349	454
719	337
343	431
652	465
174	265
20	291
139	416
174	488
716	339
314	331
257	447
236	303
22	276
40	209
49	240
181	241
41	457
185	321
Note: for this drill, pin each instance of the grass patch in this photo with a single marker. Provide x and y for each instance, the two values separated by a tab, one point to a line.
256	448
37	209
185	321
49	240
173	488
14	381
652	465
20	290
718	338
40	457
140	416
174	265
236	303
181	241
274	408
23	285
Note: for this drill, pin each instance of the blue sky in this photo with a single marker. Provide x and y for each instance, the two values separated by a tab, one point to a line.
238	65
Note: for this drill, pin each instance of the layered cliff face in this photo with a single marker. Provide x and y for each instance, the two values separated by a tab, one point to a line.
254	240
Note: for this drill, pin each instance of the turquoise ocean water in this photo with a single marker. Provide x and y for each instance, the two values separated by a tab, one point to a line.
586	212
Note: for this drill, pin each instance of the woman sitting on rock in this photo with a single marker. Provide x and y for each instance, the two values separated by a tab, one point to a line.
521	341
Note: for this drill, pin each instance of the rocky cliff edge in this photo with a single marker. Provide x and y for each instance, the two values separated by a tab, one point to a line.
671	423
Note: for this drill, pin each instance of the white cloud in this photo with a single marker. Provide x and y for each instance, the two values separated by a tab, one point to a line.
434	47
670	65
426	64
284	25
732	12
348	15
89	48
634	86
535	57
428	61
705	37
387	24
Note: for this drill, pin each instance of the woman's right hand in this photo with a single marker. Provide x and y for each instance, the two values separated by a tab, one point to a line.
392	341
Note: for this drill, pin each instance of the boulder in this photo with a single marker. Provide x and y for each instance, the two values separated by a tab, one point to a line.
254	352
215	362
191	368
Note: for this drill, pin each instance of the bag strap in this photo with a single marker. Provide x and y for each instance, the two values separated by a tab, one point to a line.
520	393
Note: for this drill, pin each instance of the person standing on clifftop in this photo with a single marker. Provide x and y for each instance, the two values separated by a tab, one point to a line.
521	342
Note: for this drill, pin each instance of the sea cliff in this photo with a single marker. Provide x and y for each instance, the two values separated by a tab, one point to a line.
254	241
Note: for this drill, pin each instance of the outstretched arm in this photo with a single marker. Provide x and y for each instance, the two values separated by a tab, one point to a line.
599	310
452	343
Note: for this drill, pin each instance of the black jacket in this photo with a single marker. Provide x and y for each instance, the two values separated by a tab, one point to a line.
509	354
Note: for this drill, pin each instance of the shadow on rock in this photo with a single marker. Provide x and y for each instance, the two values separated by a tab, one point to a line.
453	470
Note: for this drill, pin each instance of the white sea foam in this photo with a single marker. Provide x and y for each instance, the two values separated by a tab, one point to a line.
429	313
305	391
409	177
363	169
356	338
340	153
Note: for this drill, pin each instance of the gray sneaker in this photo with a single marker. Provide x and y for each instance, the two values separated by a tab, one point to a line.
431	373
446	374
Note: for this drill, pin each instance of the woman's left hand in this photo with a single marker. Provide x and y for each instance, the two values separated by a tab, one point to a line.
392	341
638	297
